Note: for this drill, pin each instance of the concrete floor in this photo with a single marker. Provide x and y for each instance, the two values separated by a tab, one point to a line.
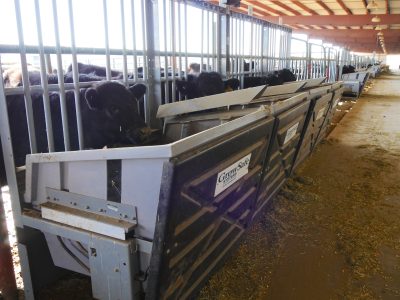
334	231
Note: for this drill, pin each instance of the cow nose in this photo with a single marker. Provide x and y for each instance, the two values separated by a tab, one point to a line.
145	131
138	135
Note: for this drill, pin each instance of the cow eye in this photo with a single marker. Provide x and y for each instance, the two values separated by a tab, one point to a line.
114	109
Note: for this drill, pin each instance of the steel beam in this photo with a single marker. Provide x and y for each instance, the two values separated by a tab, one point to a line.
305	7
286	7
344	7
354	33
266	9
346	20
324	6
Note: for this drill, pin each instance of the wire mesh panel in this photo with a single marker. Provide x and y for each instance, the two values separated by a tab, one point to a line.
49	58
246	51
317	64
187	42
331	64
298	58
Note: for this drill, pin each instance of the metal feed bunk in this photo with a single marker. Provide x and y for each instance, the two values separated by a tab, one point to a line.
183	204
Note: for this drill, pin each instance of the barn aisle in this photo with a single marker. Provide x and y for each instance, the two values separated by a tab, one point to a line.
334	230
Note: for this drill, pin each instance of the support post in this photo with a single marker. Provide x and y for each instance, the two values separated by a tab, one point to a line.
223	48
153	61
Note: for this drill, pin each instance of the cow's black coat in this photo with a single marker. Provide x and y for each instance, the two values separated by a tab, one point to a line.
205	84
348	69
95	70
273	78
109	118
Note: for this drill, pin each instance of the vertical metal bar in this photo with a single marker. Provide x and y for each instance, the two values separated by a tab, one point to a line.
154	69
47	59
289	45
166	90
147	108
135	72
208	41
180	38
251	47
43	79
186	38
272	49
124	58
214	42
8	155
60	75
173	67
257	50
232	39
223	52
237	60
276	53
179	45
283	38
242	54
75	76
25	80
271	53
270	36
106	41
259	47
262	49
202	40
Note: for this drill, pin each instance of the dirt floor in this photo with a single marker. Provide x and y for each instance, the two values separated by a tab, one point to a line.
333	232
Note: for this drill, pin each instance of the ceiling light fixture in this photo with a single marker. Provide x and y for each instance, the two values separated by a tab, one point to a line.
372	5
378	28
376	19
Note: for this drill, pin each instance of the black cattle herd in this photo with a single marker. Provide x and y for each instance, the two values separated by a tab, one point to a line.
109	110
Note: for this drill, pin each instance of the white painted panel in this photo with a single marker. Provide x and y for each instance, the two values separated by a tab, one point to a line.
141	181
48	174
87	178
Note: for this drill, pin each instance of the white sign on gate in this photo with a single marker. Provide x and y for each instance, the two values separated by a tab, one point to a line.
291	133
320	113
231	174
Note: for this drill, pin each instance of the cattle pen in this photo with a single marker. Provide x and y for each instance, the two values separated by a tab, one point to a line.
142	147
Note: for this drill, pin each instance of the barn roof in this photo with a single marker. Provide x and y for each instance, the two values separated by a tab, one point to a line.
360	25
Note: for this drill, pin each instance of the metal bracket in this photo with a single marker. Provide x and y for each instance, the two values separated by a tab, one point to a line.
86	220
90	204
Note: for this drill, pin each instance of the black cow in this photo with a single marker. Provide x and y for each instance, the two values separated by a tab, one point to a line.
348	69
286	75
272	78
35	79
109	118
206	84
94	70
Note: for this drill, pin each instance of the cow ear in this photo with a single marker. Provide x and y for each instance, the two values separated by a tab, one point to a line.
138	90
92	100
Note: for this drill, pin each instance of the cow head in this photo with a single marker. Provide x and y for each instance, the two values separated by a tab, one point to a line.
114	117
286	75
